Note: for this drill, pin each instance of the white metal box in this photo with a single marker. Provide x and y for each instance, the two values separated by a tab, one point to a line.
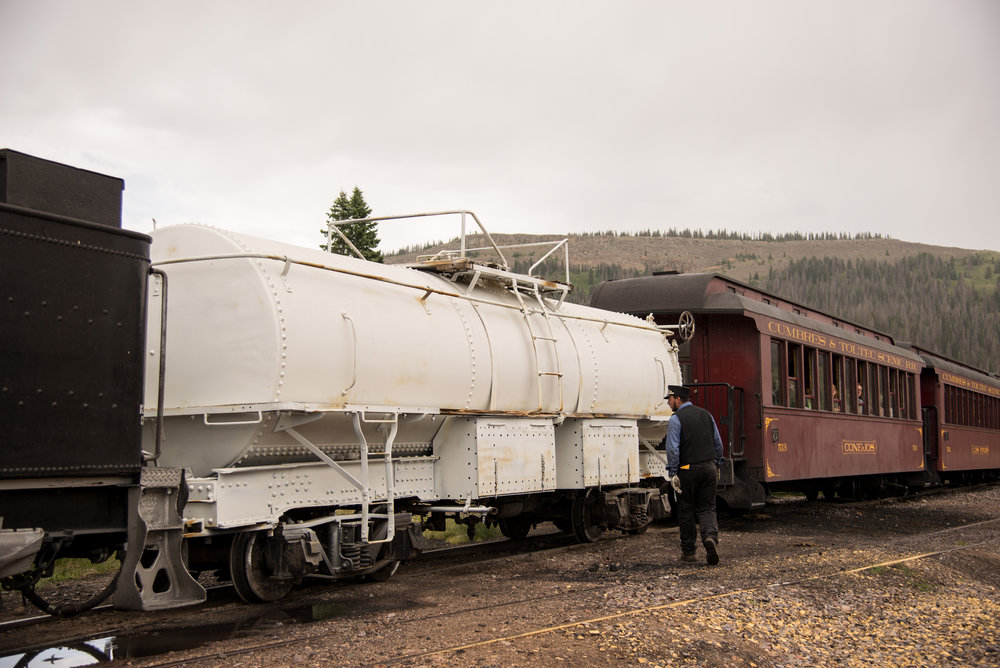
486	456
595	452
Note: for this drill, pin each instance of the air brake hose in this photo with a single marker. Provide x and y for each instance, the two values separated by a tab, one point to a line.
70	609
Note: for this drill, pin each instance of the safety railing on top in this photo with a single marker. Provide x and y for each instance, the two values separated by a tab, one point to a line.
463	251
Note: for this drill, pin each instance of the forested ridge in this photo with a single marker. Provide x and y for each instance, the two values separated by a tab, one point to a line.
950	306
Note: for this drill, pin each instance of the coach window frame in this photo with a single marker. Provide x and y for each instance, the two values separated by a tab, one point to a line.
793	375
777	372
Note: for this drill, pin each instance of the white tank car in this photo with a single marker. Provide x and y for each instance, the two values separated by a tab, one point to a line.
312	396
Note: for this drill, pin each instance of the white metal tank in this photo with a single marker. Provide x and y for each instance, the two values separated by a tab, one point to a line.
256	327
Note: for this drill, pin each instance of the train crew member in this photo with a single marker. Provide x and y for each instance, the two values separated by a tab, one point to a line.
694	455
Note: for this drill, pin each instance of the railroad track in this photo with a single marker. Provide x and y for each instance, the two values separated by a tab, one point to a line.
481	556
467	611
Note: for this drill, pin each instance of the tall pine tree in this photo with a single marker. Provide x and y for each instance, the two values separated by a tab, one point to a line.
363	235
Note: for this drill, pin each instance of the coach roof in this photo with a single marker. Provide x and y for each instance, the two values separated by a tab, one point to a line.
671	293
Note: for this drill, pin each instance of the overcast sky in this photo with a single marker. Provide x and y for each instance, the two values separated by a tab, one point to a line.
556	117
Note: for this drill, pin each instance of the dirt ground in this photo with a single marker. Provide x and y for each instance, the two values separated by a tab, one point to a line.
898	582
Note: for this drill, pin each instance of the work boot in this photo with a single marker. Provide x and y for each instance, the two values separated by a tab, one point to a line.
688	557
711	554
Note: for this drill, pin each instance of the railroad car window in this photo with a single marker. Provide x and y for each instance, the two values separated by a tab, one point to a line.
838	383
874	391
794	375
949	404
809	377
894	393
863	390
822	380
905	395
777	375
852	387
911	394
884	406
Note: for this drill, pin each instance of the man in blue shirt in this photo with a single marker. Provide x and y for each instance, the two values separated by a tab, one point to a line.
694	455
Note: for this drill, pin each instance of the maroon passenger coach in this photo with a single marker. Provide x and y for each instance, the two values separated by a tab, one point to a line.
804	401
961	419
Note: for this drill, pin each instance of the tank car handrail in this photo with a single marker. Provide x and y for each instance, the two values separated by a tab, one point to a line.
335	225
565	245
423	288
555	243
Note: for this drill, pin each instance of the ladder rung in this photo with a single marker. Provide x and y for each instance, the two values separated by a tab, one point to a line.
545	338
549	373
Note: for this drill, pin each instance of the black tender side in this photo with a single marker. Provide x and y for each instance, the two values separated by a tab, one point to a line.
72	308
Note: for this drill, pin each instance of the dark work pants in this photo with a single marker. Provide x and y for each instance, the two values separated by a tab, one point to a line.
697	501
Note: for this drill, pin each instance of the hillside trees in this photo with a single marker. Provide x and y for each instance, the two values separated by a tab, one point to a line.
948	306
364	236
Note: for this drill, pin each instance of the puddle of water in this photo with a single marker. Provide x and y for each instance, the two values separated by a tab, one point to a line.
154	643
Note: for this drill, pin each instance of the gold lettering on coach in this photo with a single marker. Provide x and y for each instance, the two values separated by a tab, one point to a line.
823	341
980	450
860	447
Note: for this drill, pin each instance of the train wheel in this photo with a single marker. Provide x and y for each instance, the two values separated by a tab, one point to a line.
252	577
586	509
515	528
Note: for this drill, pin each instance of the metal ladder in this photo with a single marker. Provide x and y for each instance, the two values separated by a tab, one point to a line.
535	338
